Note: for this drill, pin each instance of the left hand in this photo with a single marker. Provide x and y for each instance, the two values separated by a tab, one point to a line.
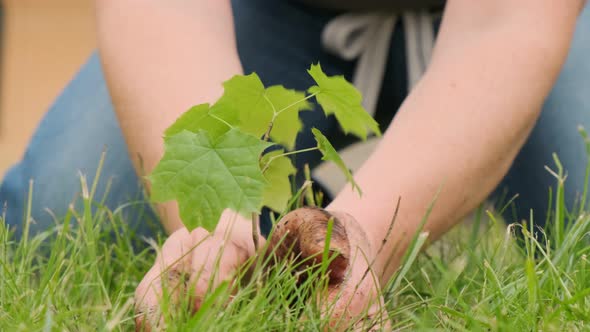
354	299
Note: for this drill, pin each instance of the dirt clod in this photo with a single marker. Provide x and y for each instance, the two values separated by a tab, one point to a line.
301	235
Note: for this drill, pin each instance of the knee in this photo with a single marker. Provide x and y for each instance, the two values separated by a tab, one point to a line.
68	142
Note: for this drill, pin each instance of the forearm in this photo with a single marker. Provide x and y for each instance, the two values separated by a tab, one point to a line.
161	57
462	126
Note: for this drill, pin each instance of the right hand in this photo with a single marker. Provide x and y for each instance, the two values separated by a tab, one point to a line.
197	258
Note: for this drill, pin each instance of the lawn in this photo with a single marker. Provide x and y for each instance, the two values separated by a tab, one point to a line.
81	276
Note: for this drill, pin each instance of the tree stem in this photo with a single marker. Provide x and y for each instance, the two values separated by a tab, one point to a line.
255	232
271	159
220	119
297	102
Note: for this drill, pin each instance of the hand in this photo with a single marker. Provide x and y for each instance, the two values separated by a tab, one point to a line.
360	303
193	258
354	298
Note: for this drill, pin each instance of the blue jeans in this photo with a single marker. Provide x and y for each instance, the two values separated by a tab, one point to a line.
279	40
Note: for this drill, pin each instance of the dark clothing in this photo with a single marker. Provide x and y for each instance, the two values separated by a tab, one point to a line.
394	5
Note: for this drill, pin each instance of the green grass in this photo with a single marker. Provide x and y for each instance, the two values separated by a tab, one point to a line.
81	276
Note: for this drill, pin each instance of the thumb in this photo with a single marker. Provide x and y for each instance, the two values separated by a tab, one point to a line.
357	302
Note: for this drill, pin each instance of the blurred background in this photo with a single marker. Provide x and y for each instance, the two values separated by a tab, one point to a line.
42	45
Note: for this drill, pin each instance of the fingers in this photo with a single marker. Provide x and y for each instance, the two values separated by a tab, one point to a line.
356	303
357	308
197	261
168	278
169	267
212	264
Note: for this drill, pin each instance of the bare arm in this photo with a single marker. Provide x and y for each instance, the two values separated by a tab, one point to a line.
160	58
460	129
462	126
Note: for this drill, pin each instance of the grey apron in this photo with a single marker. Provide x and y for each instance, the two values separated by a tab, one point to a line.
364	35
376	4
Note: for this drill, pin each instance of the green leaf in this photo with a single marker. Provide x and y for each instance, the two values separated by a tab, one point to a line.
248	105
207	175
330	154
287	123
198	118
278	192
243	99
337	96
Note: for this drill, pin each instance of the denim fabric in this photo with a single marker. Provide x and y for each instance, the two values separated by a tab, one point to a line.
567	107
279	40
68	142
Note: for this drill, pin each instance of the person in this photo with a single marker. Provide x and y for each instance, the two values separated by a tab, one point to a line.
504	89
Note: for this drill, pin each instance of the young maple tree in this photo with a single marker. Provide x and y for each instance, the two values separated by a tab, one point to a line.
216	157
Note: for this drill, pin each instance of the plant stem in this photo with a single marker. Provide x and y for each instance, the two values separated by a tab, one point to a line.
296	152
255	233
220	119
276	113
272	121
274	110
297	102
309	192
270	160
266	136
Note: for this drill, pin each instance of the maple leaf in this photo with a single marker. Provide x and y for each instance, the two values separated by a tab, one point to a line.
330	154
278	192
288	103
244	100
248	105
199	118
207	175
337	96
